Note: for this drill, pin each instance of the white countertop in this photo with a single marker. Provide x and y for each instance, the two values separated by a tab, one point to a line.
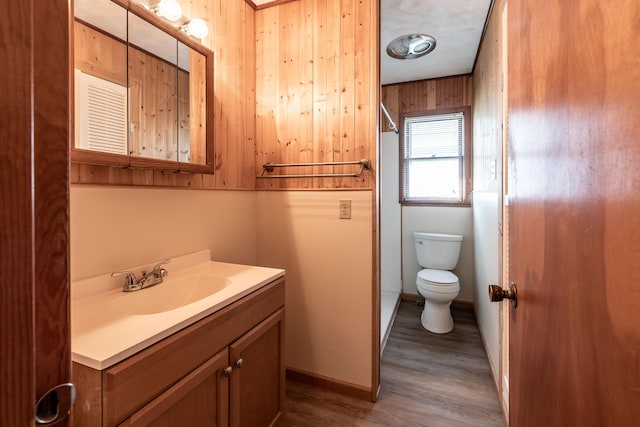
108	325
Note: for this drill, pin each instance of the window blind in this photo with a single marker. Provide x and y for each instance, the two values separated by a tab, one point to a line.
433	157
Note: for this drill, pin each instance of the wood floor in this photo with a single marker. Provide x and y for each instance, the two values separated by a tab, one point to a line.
426	380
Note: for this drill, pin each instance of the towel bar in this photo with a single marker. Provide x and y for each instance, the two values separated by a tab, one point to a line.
269	167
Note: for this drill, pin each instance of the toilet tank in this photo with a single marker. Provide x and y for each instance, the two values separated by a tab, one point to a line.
437	251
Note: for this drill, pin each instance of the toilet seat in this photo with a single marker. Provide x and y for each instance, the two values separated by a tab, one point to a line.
437	282
435	277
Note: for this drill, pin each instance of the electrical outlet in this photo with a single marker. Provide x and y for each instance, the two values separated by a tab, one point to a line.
345	209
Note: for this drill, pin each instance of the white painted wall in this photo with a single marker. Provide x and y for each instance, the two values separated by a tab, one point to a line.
390	214
329	264
437	219
329	261
487	235
117	227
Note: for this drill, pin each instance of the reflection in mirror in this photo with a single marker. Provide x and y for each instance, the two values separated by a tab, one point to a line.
153	80
100	62
184	121
192	99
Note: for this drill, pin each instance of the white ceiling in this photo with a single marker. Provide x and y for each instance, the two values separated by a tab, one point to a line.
455	24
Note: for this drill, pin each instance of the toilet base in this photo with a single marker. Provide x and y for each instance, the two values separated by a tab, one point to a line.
436	317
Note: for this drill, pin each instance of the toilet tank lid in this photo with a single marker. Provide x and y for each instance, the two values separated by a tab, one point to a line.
437	236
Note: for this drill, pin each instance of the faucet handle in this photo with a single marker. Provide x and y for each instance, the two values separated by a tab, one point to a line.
161	271
130	278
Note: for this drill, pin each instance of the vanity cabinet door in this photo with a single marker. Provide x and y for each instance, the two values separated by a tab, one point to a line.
199	399
258	378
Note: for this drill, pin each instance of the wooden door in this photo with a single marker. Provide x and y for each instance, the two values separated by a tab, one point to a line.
34	242
257	380
574	183
199	399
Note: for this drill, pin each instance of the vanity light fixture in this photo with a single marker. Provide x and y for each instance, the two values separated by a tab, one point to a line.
196	28
169	9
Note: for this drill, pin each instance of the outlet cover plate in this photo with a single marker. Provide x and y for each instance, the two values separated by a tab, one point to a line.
345	209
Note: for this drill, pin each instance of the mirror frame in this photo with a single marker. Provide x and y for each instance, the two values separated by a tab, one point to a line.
91	157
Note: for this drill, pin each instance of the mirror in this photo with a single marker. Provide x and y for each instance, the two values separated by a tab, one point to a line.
143	91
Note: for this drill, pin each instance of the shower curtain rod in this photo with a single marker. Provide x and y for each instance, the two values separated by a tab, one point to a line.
392	125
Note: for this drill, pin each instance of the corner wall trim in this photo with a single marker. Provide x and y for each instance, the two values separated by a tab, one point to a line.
338	386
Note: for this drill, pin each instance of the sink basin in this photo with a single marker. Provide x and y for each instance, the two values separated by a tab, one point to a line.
108	325
172	293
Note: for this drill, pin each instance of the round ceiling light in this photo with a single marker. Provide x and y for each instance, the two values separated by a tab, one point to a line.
411	46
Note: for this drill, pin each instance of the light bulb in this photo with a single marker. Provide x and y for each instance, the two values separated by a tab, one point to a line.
197	28
169	9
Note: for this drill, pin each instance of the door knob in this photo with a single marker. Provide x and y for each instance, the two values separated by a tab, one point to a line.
497	293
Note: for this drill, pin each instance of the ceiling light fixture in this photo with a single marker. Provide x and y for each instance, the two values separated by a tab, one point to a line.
411	46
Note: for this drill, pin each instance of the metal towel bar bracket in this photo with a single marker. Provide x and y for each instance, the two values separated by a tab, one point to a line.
270	167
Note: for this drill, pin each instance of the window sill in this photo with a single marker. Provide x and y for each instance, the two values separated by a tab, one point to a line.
437	204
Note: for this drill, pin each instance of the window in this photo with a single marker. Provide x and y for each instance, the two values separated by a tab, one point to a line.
435	157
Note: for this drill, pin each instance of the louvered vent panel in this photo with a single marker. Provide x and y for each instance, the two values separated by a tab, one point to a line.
101	119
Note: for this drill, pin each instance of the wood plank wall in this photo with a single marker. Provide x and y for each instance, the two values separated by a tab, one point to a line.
317	89
231	37
488	84
423	95
314	87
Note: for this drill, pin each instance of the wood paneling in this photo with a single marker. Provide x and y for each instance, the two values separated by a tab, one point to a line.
231	37
424	95
317	89
152	113
314	87
100	55
488	84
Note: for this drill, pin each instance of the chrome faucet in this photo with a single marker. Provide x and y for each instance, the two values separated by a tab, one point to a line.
148	279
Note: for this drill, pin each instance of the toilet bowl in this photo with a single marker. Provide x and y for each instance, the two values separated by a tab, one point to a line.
437	254
438	288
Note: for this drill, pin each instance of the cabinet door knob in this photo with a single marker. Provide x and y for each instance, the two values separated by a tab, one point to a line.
239	363
227	371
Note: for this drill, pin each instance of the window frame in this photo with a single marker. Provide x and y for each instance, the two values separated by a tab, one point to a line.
466	180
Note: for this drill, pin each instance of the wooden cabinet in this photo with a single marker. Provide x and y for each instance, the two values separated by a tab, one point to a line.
200	398
257	375
225	370
142	91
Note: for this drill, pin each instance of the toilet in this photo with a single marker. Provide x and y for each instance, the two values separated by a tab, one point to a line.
437	254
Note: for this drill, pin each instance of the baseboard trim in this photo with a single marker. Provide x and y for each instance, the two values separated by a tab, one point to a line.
464	305
410	297
495	374
338	386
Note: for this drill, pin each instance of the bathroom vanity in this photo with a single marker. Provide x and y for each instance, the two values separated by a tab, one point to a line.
219	362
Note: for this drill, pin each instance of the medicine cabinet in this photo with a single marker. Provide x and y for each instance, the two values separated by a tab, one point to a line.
143	90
